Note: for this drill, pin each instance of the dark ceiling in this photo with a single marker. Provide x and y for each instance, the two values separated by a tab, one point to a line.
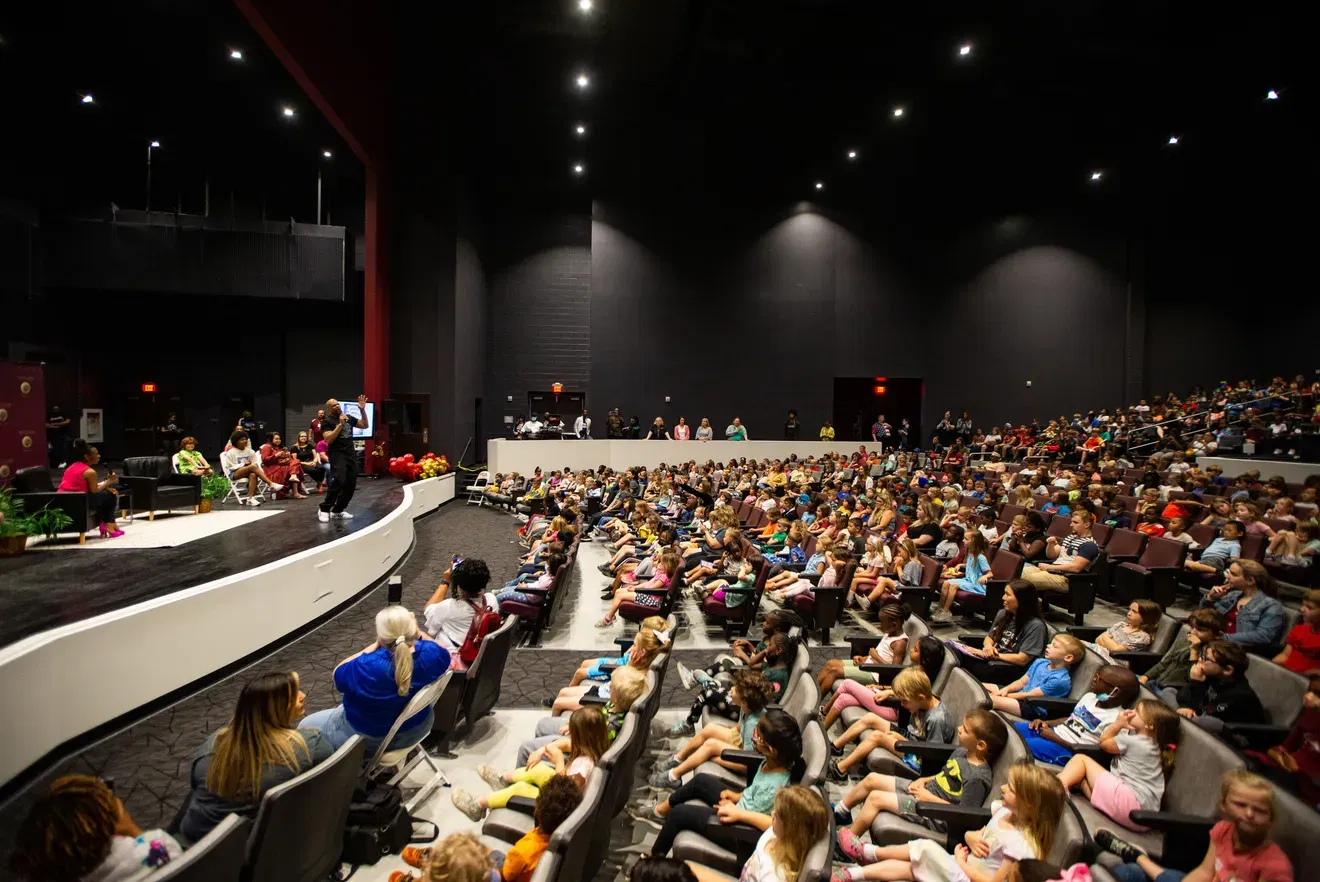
745	98
160	70
720	99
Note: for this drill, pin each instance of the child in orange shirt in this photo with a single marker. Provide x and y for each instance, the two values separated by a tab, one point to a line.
558	798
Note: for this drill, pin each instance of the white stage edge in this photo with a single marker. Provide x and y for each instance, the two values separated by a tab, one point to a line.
523	457
1292	472
60	683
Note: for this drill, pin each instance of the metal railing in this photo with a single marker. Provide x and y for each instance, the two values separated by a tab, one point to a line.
1133	448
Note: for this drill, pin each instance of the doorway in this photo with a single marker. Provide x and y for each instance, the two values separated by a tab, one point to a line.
859	400
409	421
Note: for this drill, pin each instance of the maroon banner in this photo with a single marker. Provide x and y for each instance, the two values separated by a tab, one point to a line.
22	418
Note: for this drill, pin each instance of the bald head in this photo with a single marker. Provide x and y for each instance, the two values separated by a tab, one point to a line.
332	408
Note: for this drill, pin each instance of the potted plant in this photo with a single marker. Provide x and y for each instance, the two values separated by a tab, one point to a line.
213	487
15	526
50	521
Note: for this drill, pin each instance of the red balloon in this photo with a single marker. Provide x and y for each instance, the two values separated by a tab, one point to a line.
408	458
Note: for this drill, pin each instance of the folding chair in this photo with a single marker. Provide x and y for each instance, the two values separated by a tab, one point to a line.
408	758
477	492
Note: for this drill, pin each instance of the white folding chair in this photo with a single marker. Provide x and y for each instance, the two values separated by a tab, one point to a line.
238	490
477	492
406	759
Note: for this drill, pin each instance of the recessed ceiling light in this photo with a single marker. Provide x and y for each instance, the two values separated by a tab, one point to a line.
820	185
236	54
852	154
1097	175
964	50
584	5
155	143
579	169
1173	139
1271	95
88	99
581	129
326	153
898	111
583	81
288	111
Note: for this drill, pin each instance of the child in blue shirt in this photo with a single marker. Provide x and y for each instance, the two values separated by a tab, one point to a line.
1048	677
1220	551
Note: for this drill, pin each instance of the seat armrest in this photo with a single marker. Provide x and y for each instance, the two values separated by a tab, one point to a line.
528	589
653	592
1054	707
1086	633
744	835
624	643
1095	752
1172	821
1266	650
1257	736
590	700
1139	662
884	674
923	749
1122	558
524	805
958	819
183	480
608	669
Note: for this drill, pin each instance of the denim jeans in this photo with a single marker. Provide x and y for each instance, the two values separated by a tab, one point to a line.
1133	873
335	728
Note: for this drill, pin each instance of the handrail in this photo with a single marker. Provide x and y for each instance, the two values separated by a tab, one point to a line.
1292	405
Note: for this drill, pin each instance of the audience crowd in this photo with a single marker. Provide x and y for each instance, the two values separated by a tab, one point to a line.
757	539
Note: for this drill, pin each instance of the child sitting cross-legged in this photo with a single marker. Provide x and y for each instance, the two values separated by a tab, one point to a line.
748	696
575	755
1022	826
1143	741
930	721
1048	677
1135	633
964	780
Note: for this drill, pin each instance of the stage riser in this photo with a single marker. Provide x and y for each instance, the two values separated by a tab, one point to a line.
1292	472
61	683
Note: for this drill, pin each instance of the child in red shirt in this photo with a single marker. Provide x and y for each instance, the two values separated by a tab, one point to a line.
1240	849
1302	652
1150	522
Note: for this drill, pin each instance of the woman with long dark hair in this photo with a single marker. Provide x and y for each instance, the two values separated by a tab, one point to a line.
1017	637
259	748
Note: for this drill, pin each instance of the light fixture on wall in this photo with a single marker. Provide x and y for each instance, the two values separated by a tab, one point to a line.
584	5
236	54
1097	176
899	111
583	81
852	154
580	129
579	169
1173	141
88	99
965	50
820	185
287	111
1272	95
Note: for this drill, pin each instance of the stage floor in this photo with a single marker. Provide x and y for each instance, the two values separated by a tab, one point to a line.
44	589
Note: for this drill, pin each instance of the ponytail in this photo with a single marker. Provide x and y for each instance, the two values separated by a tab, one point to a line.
396	630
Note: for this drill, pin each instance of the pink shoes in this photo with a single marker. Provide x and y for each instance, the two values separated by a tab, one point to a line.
107	533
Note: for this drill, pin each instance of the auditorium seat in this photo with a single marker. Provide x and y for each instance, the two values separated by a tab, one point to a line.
299	830
571	843
216	857
1154	576
959	693
1166	632
472	694
1179	832
1005	566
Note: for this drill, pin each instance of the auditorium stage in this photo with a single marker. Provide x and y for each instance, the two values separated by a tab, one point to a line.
43	589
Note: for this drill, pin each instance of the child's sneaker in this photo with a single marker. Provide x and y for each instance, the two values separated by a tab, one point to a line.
851	844
467	804
685	674
1121	847
492	777
661	781
683	728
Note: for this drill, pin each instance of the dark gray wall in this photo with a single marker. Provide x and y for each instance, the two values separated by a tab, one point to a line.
540	310
469	352
320	363
735	316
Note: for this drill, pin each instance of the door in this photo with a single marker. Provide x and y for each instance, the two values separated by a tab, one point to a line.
408	421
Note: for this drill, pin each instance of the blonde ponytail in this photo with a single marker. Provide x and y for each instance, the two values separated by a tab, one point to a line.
396	629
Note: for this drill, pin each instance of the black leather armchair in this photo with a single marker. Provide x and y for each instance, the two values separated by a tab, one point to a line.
35	486
155	486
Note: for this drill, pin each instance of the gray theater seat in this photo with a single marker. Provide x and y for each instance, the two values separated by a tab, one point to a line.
961	694
299	829
217	857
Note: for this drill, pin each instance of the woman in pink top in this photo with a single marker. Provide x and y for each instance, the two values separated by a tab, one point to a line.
80	477
682	431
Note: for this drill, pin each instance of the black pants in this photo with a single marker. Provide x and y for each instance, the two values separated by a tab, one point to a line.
315	472
105	504
716	697
706	788
343	482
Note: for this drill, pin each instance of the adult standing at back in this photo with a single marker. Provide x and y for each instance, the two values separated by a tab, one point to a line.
315	433
343	459
735	431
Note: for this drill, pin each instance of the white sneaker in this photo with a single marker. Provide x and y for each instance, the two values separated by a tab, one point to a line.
344	516
323	516
277	487
254	502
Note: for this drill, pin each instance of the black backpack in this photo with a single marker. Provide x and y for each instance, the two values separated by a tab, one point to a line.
378	824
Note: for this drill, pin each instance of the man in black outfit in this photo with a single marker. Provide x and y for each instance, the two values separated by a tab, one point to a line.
343	458
57	436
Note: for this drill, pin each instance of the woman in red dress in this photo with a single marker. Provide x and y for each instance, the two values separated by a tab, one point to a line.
282	466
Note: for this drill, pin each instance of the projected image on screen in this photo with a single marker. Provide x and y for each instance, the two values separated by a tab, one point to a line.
354	413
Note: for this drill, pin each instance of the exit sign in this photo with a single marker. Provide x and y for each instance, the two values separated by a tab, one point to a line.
148	387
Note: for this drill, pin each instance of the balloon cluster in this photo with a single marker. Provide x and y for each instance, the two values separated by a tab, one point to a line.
409	469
